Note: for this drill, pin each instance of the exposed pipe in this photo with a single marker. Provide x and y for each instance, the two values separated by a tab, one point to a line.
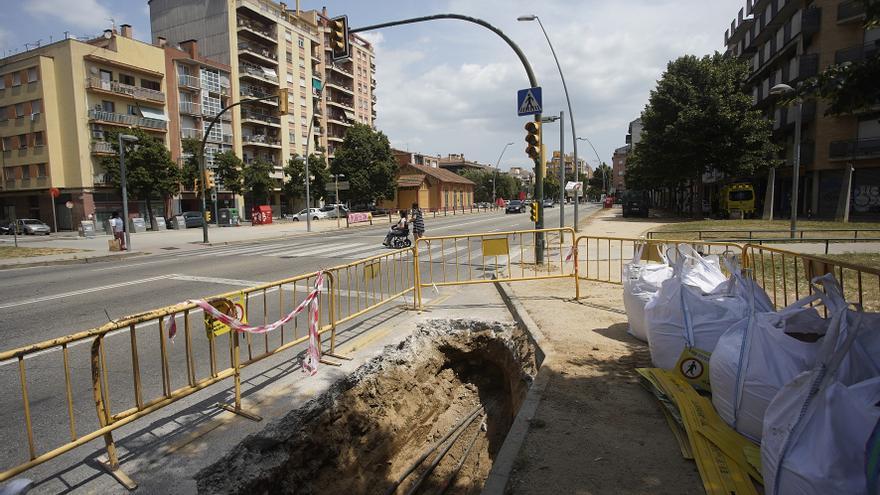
437	459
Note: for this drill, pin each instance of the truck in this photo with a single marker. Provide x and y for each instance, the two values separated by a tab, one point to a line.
737	200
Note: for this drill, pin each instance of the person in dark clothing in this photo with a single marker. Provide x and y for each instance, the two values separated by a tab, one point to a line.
418	222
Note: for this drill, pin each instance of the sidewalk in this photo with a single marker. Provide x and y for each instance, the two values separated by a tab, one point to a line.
595	430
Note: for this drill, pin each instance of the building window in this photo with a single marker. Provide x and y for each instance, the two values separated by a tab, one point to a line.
302	63
9	173
26	172
41	170
36	106
210	80
289	57
301	42
38	138
108	106
3	81
292	136
288	36
7	143
154	85
22	141
290	78
16	79
19	110
302	82
126	79
133	110
32	74
3	113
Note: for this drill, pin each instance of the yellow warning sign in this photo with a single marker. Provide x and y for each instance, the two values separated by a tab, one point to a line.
235	306
372	270
495	247
693	366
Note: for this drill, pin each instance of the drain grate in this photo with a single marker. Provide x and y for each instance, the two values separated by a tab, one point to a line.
170	248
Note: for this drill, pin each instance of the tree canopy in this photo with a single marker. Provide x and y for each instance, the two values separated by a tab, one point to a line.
192	148
295	171
507	186
365	158
258	181
150	172
228	168
698	119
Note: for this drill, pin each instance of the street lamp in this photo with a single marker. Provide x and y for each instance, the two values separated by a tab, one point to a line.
780	90
125	138
495	178
529	18
604	173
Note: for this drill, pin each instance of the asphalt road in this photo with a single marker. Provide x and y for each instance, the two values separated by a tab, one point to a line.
41	303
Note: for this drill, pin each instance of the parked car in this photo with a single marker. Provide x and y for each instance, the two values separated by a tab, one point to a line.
315	213
636	204
548	203
28	226
515	206
193	219
330	210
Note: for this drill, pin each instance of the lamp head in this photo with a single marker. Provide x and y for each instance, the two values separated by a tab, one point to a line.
526	18
128	138
781	89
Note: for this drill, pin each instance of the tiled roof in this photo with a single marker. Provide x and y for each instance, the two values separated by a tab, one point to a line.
442	174
410	180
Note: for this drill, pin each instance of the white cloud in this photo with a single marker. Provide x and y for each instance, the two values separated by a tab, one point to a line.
80	14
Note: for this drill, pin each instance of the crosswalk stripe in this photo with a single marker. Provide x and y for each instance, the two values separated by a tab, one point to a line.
325	248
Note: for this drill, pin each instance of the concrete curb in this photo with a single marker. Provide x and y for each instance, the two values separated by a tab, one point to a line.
73	261
499	476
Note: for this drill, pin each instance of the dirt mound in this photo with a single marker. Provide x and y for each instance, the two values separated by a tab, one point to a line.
363	434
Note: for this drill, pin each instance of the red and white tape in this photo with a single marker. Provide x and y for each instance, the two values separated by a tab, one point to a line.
310	362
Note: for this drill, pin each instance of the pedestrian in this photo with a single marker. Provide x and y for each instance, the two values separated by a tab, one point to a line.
118	227
418	222
400	228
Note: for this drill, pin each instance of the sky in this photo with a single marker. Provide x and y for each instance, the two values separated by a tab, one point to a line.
450	86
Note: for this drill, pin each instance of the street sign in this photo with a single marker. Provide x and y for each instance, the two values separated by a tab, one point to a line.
528	101
343	186
55	192
574	186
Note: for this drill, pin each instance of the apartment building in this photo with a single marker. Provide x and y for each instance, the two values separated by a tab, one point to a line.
268	46
554	162
198	89
618	168
411	157
787	42
56	102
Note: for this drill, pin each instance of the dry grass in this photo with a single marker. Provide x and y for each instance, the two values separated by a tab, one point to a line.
730	229
7	252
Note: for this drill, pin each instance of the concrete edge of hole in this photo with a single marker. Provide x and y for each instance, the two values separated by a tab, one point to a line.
502	467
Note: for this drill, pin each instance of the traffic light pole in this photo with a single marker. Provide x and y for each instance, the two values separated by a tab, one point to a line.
539	195
202	167
533	81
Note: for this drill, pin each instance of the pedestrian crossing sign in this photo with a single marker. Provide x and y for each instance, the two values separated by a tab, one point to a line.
528	101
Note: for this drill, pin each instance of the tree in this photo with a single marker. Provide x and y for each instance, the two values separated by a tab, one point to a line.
551	187
192	148
365	158
698	119
258	181
850	87
295	171
228	168
150	172
601	179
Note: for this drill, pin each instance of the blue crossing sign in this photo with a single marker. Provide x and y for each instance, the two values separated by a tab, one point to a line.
528	101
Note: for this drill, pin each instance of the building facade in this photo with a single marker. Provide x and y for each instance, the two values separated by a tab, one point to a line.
198	88
618	169
267	47
432	188
787	42
553	165
407	157
56	102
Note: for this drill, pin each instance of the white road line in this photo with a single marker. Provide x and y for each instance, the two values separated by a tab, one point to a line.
215	280
117	267
252	249
324	248
82	291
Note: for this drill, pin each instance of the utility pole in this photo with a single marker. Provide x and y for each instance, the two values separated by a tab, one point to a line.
123	138
561	169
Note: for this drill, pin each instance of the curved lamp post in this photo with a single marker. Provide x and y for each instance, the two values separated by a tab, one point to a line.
495	177
529	18
604	173
780	90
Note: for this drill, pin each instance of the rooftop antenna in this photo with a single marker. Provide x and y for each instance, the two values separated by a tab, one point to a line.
112	23
66	34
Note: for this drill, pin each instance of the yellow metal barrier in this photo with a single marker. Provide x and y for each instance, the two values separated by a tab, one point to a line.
490	257
786	276
601	259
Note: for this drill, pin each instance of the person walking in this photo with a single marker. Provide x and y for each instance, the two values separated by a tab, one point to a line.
418	222
118	227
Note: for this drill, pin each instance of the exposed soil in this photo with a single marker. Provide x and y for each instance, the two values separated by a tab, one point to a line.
363	434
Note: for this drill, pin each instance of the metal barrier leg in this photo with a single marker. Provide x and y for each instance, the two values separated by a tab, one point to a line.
236	365
331	293
111	462
417	279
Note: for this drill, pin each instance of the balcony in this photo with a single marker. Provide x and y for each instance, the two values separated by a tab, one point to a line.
263	53
856	53
186	133
336	138
261	140
341	103
340	87
342	70
256	92
189	108
102	148
812	21
260	73
852	10
126	120
265	32
250	115
854	149
188	81
808	66
128	90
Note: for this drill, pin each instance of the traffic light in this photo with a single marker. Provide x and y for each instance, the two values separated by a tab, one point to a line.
196	184
209	179
208	216
282	101
534	213
533	139
340	49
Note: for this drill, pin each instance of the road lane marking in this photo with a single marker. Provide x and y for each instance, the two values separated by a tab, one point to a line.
82	291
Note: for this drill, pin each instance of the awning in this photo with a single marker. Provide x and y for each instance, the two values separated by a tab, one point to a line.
269	72
153	113
350	115
316	84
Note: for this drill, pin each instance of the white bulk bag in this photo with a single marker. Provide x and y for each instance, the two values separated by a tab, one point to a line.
691	310
641	281
755	357
817	426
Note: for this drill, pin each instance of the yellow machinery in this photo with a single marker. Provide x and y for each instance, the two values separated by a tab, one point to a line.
737	200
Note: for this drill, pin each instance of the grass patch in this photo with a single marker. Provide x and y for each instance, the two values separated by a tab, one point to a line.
726	229
7	252
871	260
